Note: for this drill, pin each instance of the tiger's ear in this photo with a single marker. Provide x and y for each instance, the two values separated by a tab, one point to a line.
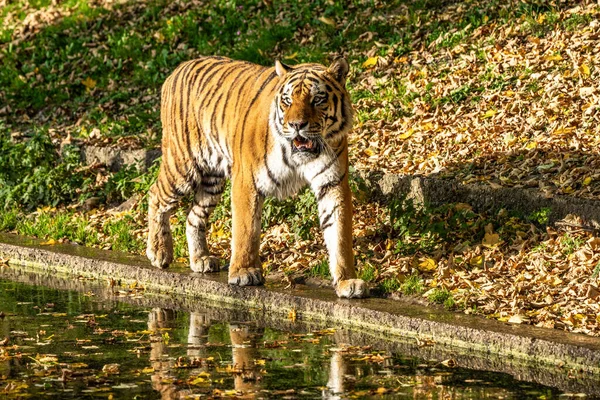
281	68
339	70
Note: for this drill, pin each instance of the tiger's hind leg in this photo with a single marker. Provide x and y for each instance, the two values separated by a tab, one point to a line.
206	199
163	198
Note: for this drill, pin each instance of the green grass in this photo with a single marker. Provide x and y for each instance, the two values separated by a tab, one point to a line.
321	270
367	272
571	244
413	285
442	296
389	285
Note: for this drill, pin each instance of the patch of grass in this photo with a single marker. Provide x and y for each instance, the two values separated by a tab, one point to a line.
321	270
430	229
413	285
9	219
389	285
571	243
121	236
300	212
32	172
367	272
56	225
596	271
541	216
442	296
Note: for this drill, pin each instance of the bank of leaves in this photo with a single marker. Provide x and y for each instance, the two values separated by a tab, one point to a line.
483	92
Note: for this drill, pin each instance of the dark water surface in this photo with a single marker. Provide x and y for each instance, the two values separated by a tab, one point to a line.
70	344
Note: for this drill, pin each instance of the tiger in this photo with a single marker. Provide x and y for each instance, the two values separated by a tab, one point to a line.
271	131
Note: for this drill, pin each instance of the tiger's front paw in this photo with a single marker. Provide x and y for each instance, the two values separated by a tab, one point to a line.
246	277
352	289
205	264
160	257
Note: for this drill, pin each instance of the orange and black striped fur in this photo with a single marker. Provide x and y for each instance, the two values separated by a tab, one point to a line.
272	131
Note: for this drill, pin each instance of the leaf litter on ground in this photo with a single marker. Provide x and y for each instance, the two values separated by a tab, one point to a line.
485	93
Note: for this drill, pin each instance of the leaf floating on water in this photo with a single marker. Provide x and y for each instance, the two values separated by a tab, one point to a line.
292	315
450	363
111	369
50	242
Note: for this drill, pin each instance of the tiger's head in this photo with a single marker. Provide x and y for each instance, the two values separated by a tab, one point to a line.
312	109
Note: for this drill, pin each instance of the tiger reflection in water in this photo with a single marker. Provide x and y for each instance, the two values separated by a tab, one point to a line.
244	339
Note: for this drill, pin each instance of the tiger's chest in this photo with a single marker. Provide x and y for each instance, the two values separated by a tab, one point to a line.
277	176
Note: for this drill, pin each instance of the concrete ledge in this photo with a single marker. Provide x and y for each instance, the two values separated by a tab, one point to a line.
436	191
115	158
470	336
431	189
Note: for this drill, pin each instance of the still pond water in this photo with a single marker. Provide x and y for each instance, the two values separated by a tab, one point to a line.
69	344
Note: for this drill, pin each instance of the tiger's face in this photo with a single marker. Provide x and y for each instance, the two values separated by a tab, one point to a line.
312	107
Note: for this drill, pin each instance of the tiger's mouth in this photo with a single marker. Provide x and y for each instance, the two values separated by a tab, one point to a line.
305	145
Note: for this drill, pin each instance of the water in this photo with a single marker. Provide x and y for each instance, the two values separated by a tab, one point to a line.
79	344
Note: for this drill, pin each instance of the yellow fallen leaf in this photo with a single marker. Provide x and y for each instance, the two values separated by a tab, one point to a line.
564	130
199	380
476	261
541	18
491	240
370	152
568	190
406	134
584	70
327	21
148	370
50	242
89	83
218	232
370	62
485	19
292	315
587	181
509	139
427	264
489	113
554	57
531	145
292	56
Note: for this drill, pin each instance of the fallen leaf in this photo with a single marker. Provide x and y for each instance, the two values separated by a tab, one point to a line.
517	319
451	363
427	264
491	240
327	21
89	83
489	113
370	62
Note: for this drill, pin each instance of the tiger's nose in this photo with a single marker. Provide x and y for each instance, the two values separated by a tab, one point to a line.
297	125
